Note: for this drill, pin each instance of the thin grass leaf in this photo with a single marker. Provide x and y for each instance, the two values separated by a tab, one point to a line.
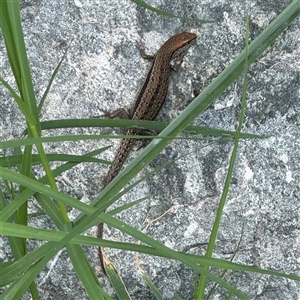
72	138
18	267
16	230
237	247
18	288
13	160
127	206
199	294
44	189
152	287
85	272
2	200
49	208
13	36
178	297
52	79
117	282
21	198
139	124
10	24
164	13
22	105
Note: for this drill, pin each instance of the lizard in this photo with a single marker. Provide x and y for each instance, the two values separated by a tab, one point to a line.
149	101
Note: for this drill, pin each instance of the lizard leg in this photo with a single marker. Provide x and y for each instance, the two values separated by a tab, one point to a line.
141	48
145	142
121	112
176	63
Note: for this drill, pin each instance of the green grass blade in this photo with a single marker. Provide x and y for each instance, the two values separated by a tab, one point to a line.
44	189
152	287
13	160
22	105
117	282
199	294
140	124
21	198
10	23
84	271
73	138
164	13
52	79
18	267
49	208
18	288
127	206
15	230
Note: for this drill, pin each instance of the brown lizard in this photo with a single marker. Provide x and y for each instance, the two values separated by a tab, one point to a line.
150	99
